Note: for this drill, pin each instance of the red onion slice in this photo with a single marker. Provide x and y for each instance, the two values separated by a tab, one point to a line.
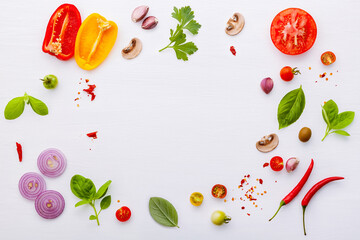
51	162
50	204
31	185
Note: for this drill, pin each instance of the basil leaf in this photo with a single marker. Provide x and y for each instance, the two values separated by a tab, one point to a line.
83	202
105	202
325	116
14	108
82	187
38	106
341	132
291	107
343	120
331	110
163	212
102	190
92	217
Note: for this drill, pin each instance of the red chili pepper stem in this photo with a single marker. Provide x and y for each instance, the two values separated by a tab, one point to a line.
282	203
304	207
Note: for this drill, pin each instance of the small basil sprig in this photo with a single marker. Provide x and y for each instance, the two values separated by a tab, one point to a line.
334	120
85	189
291	107
16	106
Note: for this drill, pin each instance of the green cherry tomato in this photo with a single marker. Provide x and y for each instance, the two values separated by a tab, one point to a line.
219	218
50	81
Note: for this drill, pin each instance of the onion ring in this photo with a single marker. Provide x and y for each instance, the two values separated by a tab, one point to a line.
49	204
51	162
31	185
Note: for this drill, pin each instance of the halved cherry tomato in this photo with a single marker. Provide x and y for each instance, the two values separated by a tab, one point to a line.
287	73
277	163
328	58
196	198
61	32
219	191
293	31
123	214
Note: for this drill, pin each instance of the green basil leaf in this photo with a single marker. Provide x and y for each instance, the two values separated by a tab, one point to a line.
102	190
83	202
163	212
14	108
291	107
105	202
331	110
82	187
343	120
325	116
38	106
92	217
341	132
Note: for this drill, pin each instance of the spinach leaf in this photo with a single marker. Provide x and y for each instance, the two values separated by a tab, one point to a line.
291	107
38	106
163	212
102	190
343	120
82	187
105	202
14	108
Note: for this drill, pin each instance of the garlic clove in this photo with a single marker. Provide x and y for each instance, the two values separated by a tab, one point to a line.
291	164
139	13
149	23
267	85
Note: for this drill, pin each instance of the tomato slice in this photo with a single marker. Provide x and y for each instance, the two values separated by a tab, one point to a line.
277	163
196	198
219	191
293	31
328	58
123	214
61	32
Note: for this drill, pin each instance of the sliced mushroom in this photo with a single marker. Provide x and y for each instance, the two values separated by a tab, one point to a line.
133	49
235	24
268	143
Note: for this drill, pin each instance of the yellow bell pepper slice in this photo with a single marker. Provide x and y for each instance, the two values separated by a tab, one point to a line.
94	41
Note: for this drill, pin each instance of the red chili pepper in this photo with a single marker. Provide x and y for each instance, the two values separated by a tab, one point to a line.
232	50
296	189
61	32
312	192
19	151
92	135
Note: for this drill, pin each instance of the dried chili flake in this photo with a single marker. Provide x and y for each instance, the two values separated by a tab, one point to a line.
248	214
242	207
19	151
92	135
266	165
232	50
261	181
322	75
90	91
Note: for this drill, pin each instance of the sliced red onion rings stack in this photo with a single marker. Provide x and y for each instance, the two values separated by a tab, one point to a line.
50	204
51	162
31	185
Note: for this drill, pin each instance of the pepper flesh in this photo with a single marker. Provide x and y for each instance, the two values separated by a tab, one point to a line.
94	41
19	151
312	192
296	189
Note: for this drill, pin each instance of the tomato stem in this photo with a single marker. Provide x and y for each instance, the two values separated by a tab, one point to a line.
282	203
295	71
304	207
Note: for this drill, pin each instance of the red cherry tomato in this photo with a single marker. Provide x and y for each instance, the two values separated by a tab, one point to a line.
123	214
219	191
277	163
328	58
293	31
287	73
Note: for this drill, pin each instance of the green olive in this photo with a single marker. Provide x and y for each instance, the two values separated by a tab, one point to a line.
305	134
50	81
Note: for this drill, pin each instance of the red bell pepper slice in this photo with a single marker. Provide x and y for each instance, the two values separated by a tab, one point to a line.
61	32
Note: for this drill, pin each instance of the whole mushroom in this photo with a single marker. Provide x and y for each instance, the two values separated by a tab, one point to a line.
133	49
267	143
235	24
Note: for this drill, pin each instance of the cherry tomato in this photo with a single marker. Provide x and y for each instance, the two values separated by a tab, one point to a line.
219	191
293	31
219	218
50	81
328	58
123	214
277	163
196	198
287	73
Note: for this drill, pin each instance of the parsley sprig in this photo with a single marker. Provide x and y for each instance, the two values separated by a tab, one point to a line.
178	38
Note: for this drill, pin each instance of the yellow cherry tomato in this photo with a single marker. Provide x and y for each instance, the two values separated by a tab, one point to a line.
196	198
94	41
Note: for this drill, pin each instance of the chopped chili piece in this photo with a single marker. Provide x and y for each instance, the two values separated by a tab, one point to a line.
261	181
322	75
232	50
92	135
242	207
248	214
90	91
86	80
19	151
266	164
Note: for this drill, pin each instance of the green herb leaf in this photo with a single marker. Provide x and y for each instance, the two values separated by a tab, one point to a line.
343	120
38	106
183	50
163	212
105	202
14	108
82	187
92	217
102	190
341	132
193	27
291	107
184	15
82	202
331	110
